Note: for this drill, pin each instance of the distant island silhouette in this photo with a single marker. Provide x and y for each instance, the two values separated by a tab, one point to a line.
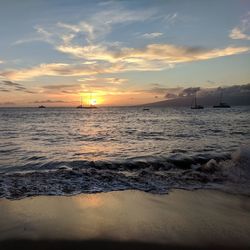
233	98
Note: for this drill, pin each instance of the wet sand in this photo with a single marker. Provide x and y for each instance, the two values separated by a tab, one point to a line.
127	220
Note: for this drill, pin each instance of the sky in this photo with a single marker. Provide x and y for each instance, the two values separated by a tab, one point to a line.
125	52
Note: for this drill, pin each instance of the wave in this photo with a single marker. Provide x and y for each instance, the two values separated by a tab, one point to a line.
228	172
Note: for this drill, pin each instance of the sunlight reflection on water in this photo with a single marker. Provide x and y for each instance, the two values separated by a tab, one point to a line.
33	136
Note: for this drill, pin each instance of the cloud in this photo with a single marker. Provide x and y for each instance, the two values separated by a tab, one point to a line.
98	23
84	41
235	89
170	95
102	22
60	86
172	54
167	53
12	84
155	90
237	33
4	90
240	32
61	89
153	57
189	91
49	101
158	89
9	86
171	18
152	35
176	92
1	62
54	69
102	83
86	84
42	35
95	26
210	82
7	103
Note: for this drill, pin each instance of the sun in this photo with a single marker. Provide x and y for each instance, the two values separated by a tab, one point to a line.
93	102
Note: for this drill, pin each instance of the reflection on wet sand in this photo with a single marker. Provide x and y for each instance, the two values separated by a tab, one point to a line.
182	218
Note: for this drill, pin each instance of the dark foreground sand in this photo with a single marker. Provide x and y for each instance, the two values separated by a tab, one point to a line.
127	220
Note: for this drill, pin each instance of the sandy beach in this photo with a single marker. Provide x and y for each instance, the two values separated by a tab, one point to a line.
128	220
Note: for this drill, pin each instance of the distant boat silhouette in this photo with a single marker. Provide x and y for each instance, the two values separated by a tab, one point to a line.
222	104
41	107
196	106
85	107
146	109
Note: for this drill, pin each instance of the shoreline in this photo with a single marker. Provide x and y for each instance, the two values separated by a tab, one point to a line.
133	219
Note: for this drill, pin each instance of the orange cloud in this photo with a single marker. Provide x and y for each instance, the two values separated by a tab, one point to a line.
99	59
151	57
53	69
102	83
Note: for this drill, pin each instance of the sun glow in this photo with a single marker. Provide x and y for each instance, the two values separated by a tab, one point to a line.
93	101
96	99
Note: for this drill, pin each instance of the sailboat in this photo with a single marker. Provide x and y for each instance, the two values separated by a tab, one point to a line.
222	104
196	106
91	106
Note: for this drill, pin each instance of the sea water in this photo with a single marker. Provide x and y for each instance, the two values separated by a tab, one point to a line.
68	150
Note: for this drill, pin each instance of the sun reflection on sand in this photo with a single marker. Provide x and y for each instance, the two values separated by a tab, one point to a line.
89	201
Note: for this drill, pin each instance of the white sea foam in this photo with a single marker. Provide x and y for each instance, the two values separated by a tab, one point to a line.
156	175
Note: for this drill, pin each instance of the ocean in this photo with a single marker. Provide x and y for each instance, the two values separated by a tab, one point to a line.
65	151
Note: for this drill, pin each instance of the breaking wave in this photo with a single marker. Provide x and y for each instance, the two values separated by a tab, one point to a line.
228	172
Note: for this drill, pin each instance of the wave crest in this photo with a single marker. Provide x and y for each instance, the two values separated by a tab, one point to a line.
156	175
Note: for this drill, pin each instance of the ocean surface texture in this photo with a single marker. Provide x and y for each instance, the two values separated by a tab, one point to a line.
69	151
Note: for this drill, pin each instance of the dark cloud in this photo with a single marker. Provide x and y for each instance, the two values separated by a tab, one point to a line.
10	83
246	87
4	90
159	90
61	86
156	85
235	88
211	82
49	101
68	91
9	86
170	95
7	103
189	91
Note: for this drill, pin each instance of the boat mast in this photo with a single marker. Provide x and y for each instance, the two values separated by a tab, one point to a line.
195	103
